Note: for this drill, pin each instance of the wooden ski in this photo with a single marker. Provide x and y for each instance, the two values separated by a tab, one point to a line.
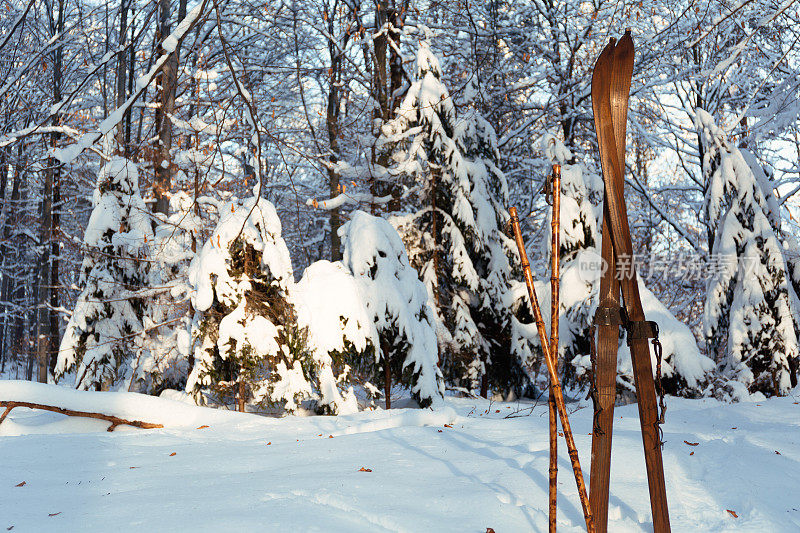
611	82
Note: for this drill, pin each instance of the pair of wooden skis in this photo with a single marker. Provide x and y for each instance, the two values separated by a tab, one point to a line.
611	82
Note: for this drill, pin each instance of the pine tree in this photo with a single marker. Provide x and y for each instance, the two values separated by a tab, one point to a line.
398	304
103	337
455	240
749	318
247	341
477	201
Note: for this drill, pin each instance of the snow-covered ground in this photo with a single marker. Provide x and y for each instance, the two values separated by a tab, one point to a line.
246	472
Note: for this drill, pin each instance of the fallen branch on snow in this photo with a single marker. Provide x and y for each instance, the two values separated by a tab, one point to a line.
115	421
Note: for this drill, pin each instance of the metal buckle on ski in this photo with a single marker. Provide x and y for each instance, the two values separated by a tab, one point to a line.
641	329
607	316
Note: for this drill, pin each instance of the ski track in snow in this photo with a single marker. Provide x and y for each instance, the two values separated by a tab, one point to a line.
485	471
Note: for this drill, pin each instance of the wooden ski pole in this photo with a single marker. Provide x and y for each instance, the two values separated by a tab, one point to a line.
554	283
551	369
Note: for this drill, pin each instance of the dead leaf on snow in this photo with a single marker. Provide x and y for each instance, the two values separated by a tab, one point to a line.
691	443
732	513
20	484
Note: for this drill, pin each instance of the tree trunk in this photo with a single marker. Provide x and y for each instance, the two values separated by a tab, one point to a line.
131	70
55	256
47	332
122	69
4	252
21	275
332	123
387	374
168	77
395	85
43	278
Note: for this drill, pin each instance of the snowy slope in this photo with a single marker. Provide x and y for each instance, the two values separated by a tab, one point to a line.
259	474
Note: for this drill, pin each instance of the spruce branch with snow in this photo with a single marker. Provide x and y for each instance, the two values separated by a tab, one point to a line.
398	305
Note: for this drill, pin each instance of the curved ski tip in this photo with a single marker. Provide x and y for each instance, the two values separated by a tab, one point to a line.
626	40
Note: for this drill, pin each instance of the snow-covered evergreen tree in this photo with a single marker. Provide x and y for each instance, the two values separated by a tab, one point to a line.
165	360
455	239
246	330
104	334
478	199
749	321
397	303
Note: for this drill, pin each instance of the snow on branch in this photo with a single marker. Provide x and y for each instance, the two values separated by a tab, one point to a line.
348	198
68	154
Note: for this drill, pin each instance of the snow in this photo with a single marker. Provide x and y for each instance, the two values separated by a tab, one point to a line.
330	304
302	474
256	222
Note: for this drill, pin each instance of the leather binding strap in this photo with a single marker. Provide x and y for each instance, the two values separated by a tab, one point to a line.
607	316
641	329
